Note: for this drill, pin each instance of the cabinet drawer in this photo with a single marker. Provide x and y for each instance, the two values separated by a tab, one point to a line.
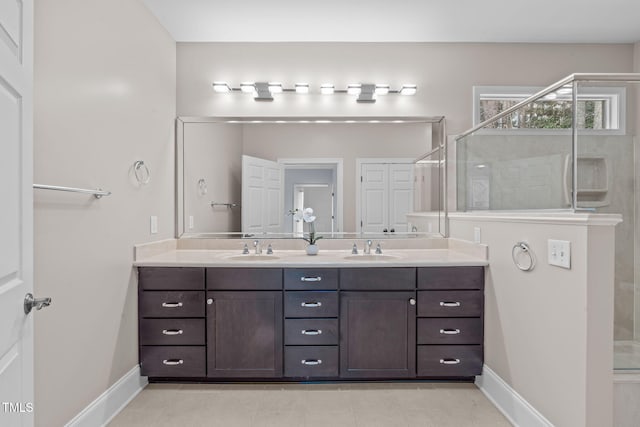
449	360
311	304
172	332
255	279
172	361
450	303
451	278
171	278
378	279
311	361
437	330
311	331
310	279
172	304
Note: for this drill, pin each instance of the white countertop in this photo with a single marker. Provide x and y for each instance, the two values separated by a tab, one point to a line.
298	258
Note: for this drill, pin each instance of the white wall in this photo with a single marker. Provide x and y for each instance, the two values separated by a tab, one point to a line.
104	98
444	72
548	332
636	69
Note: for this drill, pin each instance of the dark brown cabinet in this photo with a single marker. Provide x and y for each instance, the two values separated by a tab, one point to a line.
377	334
310	323
244	334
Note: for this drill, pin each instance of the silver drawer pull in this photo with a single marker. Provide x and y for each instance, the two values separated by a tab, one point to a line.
172	331
311	304
311	279
450	331
173	362
311	331
172	304
311	362
449	361
449	304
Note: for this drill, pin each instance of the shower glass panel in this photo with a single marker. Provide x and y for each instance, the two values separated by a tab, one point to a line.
542	153
606	183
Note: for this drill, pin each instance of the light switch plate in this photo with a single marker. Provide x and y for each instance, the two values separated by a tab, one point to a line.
154	224
559	253
477	236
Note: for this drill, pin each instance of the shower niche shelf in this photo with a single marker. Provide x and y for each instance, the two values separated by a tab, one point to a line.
593	181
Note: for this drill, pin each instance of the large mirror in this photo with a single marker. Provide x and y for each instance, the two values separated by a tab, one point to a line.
373	176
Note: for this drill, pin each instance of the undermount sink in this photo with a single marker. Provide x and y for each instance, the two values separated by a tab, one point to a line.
371	257
253	257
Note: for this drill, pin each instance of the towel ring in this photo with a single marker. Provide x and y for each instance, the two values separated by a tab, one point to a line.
142	173
523	247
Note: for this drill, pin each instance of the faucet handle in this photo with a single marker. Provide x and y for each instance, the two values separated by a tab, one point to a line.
269	249
378	249
245	250
354	249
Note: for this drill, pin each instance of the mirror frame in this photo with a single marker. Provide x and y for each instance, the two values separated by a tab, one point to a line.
438	147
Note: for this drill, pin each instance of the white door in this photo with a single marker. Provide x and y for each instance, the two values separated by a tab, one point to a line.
374	194
262	196
16	212
400	196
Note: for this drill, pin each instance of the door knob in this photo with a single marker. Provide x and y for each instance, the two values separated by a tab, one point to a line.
38	303
412	301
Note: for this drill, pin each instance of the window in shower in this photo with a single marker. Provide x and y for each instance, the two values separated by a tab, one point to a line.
599	109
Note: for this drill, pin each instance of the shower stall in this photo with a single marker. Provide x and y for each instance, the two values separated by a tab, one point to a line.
572	146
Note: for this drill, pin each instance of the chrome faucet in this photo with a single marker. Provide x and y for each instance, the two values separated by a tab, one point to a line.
367	247
258	248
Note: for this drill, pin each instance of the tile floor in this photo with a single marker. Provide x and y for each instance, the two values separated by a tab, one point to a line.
307	405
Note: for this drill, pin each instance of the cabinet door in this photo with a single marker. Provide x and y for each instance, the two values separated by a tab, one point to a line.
244	334
377	335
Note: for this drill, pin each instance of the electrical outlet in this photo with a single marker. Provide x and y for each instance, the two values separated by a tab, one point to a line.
477	237
154	224
559	253
191	222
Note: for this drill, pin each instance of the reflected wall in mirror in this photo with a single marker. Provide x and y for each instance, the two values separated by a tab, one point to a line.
359	176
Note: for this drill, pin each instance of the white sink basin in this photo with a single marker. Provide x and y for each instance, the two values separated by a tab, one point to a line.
371	257
253	257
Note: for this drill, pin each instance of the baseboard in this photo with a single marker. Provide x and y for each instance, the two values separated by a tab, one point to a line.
102	410
513	406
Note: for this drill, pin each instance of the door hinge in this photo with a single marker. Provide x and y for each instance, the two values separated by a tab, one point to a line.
361	180
360	223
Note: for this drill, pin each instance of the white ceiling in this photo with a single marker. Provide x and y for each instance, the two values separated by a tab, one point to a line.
571	21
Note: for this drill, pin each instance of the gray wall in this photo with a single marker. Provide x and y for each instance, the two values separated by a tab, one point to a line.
104	98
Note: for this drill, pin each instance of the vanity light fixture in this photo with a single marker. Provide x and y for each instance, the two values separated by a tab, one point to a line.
248	87
365	92
221	87
302	87
382	89
354	89
408	89
327	89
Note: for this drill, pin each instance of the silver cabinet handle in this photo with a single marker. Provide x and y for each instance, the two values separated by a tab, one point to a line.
449	304
311	331
172	331
412	301
311	279
173	362
172	304
311	362
450	331
311	304
449	361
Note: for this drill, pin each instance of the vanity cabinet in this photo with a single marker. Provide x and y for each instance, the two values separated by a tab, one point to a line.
311	308
171	307
311	323
244	323
450	321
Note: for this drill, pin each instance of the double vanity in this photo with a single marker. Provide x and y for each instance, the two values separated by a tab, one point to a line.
217	315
